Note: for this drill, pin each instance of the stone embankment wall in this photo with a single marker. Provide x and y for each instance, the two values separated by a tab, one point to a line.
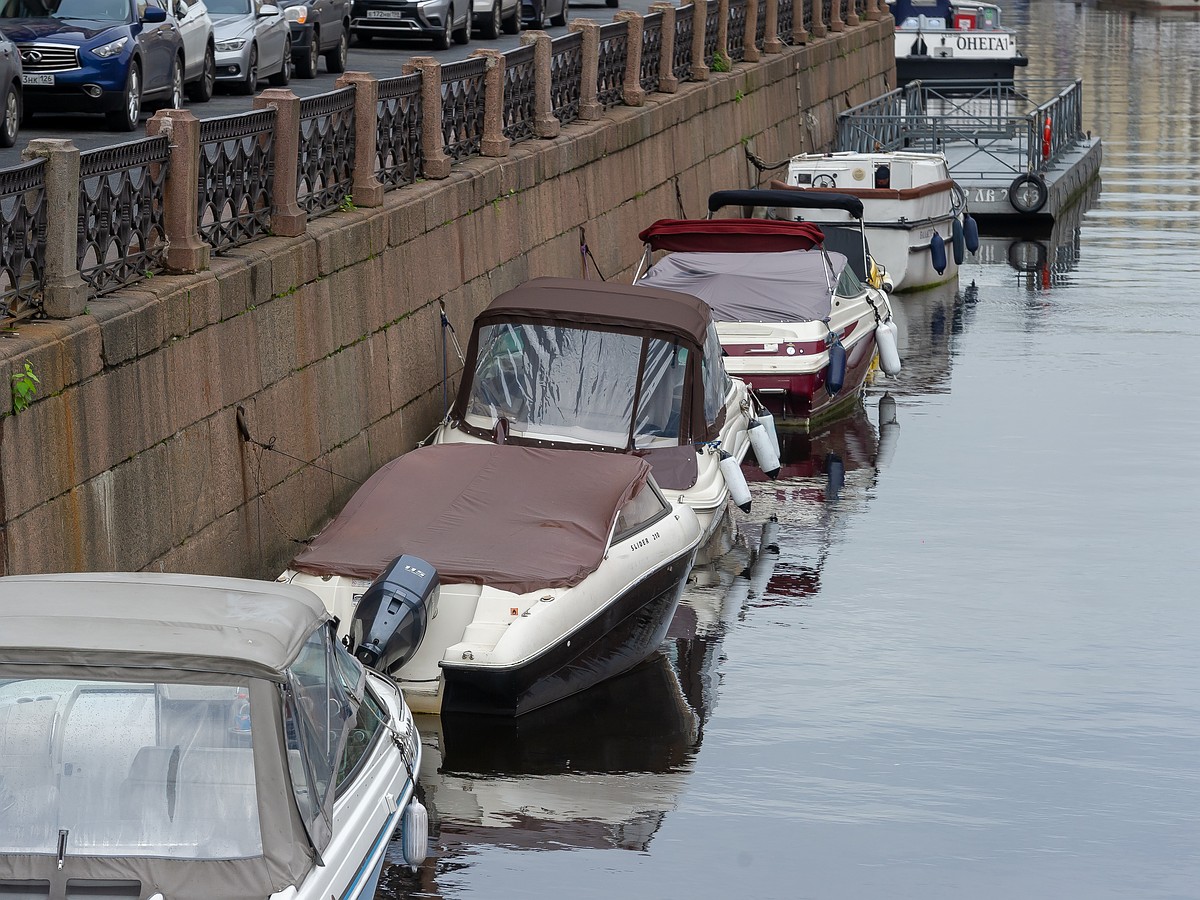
327	347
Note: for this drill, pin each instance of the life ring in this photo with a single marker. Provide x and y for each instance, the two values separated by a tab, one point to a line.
1028	193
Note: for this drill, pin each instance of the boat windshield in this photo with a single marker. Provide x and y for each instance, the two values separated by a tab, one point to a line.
105	768
579	385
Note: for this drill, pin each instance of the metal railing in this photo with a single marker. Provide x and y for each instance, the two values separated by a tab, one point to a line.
685	28
237	164
325	168
398	116
462	107
652	45
614	54
519	80
22	237
566	76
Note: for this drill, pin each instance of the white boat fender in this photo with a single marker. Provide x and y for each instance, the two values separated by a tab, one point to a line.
835	477
937	252
764	453
958	241
885	341
889	432
970	233
739	490
835	372
768	423
414	833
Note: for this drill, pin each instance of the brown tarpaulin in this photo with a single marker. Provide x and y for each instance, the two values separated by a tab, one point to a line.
515	518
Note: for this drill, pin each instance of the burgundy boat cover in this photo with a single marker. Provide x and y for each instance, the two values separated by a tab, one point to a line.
753	287
514	518
731	235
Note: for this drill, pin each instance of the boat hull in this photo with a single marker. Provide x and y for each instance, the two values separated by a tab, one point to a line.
957	68
624	633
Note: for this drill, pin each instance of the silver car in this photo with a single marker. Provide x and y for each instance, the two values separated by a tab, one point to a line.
253	41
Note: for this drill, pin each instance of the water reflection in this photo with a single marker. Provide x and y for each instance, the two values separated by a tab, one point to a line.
929	324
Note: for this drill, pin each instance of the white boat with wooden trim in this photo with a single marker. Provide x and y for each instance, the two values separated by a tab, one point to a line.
953	40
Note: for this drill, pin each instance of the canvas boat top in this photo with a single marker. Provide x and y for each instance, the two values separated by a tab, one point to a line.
515	518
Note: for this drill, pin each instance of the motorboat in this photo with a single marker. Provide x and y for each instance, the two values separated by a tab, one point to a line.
168	737
577	364
800	308
953	40
495	578
914	214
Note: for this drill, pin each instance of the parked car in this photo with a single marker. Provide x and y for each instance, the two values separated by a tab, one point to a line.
534	12
442	20
253	40
199	48
108	56
490	17
10	80
319	28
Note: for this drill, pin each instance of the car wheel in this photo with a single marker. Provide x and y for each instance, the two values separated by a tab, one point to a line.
126	118
335	59
512	25
490	27
463	35
284	75
305	58
250	83
12	116
561	18
537	21
442	41
175	100
201	91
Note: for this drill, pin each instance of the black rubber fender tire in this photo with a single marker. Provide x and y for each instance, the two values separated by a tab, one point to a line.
1020	185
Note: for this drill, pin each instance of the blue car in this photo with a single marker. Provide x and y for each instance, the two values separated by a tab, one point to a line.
103	56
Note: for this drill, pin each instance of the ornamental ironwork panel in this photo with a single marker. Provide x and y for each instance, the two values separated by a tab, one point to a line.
685	28
519	111
121	236
826	12
462	107
737	30
614	54
566	76
652	40
22	237
786	13
712	21
807	15
325	167
760	27
398	113
237	168
860	9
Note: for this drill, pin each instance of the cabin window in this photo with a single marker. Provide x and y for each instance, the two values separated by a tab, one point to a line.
660	403
716	379
848	284
645	507
368	721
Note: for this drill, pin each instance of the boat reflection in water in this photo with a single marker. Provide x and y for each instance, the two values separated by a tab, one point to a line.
928	325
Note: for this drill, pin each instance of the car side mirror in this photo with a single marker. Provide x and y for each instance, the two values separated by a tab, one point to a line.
154	14
268	10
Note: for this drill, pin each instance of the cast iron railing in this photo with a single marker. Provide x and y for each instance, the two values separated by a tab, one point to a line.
519	75
652	43
685	28
398	131
462	106
237	163
325	168
614	53
22	237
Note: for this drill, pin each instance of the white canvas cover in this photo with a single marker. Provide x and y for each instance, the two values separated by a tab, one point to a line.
793	286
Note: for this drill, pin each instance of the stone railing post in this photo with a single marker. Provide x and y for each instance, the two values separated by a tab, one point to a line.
545	125
365	188
877	9
771	41
287	218
186	250
819	28
433	142
589	76
851	13
749	44
493	142
723	32
800	35
667	82
64	292
836	23
632	92
699	29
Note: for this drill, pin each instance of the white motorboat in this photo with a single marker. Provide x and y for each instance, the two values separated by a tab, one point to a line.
176	737
914	214
800	309
499	579
953	40
576	364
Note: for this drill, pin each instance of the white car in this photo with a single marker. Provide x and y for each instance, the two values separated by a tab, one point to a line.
488	17
253	41
199	48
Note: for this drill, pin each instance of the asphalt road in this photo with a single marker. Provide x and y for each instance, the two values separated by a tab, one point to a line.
383	59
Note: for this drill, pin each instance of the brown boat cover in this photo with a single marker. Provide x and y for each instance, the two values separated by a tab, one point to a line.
514	518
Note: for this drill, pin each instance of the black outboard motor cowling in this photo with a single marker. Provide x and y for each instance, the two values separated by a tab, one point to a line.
391	618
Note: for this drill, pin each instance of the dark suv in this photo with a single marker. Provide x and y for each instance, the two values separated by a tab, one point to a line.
319	28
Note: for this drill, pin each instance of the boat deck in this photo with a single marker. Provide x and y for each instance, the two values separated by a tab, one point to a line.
1019	159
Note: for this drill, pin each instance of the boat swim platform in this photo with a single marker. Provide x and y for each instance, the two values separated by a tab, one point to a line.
1017	149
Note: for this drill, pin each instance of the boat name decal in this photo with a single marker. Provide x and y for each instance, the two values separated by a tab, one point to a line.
990	195
982	42
637	545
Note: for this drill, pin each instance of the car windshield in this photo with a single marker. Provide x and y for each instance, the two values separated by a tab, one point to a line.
127	769
90	10
228	7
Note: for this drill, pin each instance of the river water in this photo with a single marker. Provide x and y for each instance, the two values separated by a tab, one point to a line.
972	667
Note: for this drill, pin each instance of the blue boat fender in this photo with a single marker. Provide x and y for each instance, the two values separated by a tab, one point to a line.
835	372
937	252
958	241
970	233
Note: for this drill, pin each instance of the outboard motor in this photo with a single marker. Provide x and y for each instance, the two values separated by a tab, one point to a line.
391	618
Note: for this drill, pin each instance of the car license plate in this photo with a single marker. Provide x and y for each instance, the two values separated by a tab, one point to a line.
37	78
384	14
